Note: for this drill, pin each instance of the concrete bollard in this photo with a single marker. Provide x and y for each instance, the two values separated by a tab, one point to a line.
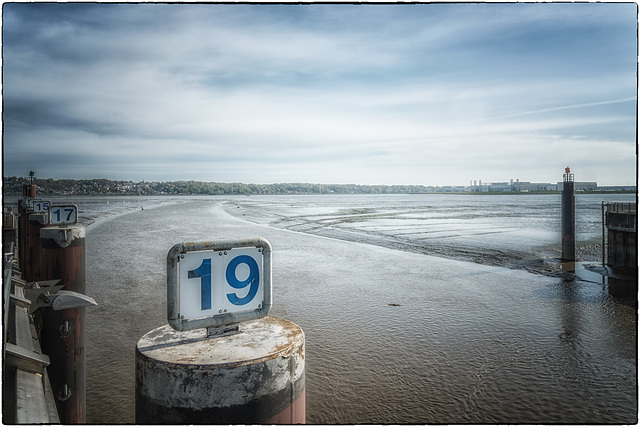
568	218
248	373
62	338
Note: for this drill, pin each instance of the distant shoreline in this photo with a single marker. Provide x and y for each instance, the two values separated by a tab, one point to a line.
106	187
472	193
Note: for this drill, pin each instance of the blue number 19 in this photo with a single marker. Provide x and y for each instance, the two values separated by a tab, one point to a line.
253	280
204	273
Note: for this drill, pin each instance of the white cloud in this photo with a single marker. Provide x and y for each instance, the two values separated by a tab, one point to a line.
262	94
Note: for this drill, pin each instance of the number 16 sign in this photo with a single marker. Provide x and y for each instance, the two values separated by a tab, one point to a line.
218	283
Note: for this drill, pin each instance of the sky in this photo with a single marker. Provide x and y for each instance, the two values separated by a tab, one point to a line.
424	94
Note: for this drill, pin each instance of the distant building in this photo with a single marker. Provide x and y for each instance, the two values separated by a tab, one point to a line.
581	186
618	188
452	189
500	187
476	186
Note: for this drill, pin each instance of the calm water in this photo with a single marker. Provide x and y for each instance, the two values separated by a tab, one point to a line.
506	230
488	331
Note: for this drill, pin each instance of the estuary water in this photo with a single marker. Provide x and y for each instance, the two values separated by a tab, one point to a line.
420	309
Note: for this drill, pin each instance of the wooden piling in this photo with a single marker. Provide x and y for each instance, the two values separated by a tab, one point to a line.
63	257
32	266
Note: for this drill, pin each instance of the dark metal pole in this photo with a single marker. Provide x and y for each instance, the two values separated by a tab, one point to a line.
603	236
568	218
32	190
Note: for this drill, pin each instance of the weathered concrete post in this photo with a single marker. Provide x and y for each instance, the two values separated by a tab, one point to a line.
568	218
62	338
221	359
255	376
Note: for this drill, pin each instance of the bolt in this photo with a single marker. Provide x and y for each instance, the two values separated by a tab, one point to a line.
220	311
181	256
64	393
64	329
225	252
45	297
225	310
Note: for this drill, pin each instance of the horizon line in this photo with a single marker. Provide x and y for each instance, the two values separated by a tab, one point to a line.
322	183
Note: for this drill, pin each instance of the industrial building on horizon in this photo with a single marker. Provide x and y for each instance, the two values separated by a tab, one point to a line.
477	186
525	186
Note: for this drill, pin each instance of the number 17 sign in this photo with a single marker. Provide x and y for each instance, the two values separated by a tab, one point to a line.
218	283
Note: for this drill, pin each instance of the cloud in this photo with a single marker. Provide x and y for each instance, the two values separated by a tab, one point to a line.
424	94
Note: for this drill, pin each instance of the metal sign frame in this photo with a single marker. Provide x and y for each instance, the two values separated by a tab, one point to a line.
62	220
29	202
43	207
178	321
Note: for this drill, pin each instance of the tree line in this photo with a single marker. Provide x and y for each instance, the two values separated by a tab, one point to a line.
49	186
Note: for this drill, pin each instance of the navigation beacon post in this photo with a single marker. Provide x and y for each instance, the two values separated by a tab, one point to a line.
568	217
221	359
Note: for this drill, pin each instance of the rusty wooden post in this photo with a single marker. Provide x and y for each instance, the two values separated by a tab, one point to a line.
32	252
63	257
24	210
23	223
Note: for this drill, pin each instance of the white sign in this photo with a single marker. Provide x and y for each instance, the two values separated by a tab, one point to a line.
208	285
218	282
41	206
63	214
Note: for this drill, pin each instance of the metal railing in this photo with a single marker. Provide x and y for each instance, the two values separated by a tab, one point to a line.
27	394
620	216
622	207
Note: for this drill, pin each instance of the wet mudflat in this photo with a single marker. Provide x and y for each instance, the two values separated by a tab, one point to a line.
392	336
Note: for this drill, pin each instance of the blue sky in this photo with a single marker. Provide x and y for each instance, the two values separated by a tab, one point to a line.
432	94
